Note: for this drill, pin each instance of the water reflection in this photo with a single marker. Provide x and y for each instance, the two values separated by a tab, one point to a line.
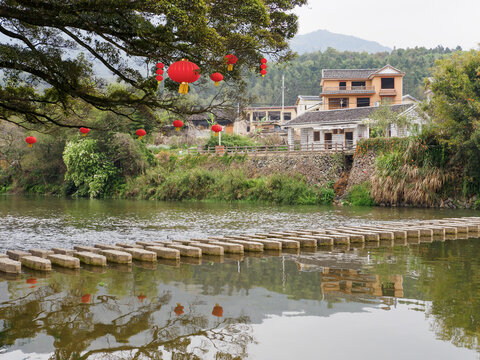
222	310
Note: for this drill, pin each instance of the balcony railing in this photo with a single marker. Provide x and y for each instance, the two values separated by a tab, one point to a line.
348	89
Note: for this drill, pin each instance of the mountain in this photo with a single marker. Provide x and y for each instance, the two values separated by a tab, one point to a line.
321	40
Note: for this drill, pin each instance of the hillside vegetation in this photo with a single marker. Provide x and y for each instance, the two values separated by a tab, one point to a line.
302	75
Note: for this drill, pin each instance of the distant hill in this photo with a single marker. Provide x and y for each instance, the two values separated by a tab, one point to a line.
321	40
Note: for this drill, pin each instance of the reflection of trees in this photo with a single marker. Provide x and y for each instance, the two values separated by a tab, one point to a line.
78	328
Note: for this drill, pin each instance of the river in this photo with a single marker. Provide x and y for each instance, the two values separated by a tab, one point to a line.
419	301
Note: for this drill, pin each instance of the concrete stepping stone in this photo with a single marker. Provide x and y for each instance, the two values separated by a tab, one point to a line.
141	254
10	266
36	263
118	257
90	258
65	261
62	251
187	251
17	254
311	243
164	252
43	253
89	249
125	245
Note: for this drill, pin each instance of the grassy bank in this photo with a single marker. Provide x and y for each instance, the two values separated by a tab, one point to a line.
225	178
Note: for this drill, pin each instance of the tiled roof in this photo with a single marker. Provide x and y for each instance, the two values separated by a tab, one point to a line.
219	116
341	115
347	73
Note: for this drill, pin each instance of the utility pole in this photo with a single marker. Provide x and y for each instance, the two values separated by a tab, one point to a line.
283	99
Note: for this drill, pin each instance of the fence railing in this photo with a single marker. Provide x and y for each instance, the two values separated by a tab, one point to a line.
329	89
325	146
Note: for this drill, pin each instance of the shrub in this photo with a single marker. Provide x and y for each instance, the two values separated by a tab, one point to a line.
359	195
90	171
230	140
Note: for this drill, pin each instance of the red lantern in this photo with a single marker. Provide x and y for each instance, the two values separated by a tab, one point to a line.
159	72
160	65
217	310
178	310
141	133
84	131
178	124
231	60
216	129
263	67
216	78
263	61
263	72
159	78
184	72
31	140
86	298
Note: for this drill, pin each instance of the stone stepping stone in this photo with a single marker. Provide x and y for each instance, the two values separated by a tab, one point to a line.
141	254
108	247
247	245
65	261
187	251
125	245
89	249
43	253
144	244
229	248
62	251
164	252
209	249
2	256
17	254
90	258
119	257
287	244
10	266
36	263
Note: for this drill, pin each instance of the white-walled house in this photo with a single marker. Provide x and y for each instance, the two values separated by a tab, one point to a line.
342	128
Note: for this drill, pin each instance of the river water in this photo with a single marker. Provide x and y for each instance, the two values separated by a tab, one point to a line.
418	301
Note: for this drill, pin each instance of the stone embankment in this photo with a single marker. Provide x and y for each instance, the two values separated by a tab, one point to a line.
271	243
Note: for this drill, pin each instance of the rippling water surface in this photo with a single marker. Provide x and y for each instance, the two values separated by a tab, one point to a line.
414	301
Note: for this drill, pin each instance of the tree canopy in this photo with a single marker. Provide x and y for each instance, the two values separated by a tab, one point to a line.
49	47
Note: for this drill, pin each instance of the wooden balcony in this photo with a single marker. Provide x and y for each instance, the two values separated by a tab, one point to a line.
344	90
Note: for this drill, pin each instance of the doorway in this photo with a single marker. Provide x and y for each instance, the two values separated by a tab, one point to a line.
348	138
328	140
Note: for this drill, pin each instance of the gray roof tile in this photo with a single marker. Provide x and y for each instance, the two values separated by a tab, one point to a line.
341	115
347	73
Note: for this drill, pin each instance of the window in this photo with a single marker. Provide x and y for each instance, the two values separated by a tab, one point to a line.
335	131
363	102
258	115
358	84
274	115
341	131
337	103
343	85
388	83
287	116
316	136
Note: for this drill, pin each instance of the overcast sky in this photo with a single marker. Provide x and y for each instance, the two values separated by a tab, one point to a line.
404	23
